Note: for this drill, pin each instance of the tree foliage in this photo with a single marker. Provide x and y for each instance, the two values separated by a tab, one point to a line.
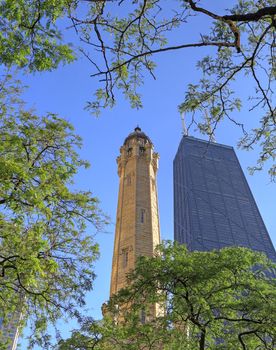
122	38
46	259
212	300
30	37
241	43
46	256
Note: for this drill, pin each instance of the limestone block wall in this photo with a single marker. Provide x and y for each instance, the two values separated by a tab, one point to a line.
137	223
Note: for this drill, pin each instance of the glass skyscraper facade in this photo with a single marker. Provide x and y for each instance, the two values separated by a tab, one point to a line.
213	204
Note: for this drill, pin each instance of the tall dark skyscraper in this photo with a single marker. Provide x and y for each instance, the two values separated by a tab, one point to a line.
213	204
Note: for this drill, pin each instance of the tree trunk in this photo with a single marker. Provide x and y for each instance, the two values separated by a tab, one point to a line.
202	340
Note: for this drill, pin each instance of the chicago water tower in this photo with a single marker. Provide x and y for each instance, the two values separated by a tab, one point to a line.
137	222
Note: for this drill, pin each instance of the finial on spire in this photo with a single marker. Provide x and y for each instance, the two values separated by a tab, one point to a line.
137	128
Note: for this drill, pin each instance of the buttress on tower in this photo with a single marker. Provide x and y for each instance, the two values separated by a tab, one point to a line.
137	223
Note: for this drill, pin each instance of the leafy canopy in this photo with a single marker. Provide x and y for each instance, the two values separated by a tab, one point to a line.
29	35
121	39
211	300
47	255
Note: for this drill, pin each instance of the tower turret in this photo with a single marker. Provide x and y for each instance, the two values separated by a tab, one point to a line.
137	222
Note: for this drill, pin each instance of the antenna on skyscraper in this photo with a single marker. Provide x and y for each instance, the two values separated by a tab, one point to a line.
184	128
211	132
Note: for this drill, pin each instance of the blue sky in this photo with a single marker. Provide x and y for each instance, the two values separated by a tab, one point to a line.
65	92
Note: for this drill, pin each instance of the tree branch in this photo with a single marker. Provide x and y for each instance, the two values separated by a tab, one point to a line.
252	17
164	49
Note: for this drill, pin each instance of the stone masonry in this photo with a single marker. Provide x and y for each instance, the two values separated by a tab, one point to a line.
137	223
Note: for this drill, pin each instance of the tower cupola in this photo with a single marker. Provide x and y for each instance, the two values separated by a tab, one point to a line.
139	136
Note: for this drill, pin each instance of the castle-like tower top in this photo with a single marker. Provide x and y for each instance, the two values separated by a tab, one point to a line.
136	145
137	222
137	134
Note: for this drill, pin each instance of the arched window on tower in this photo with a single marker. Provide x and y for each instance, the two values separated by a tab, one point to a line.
125	257
129	151
141	150
142	216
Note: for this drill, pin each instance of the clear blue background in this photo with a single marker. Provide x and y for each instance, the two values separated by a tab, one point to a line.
65	92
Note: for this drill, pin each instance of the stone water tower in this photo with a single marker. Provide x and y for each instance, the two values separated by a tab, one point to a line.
137	222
